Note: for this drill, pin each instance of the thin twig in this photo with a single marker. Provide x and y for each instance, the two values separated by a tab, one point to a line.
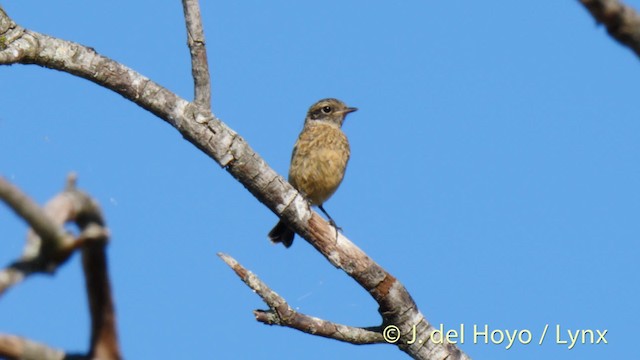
282	314
199	64
622	22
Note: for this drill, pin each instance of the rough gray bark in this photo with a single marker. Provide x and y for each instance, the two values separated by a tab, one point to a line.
622	22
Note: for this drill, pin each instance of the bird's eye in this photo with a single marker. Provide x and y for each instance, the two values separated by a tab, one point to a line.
326	109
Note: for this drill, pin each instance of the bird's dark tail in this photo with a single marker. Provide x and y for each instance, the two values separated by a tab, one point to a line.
281	234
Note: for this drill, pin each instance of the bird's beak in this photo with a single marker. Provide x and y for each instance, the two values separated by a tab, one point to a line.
350	110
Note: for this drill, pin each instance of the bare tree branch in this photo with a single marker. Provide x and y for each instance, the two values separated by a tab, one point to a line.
622	22
70	205
104	337
39	220
47	246
230	150
86	213
282	314
199	65
18	348
28	47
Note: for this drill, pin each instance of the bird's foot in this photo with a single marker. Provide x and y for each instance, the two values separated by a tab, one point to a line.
338	228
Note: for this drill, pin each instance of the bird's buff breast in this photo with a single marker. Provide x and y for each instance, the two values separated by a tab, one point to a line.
319	161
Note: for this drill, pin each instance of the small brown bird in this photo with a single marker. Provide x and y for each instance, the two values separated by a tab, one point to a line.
319	159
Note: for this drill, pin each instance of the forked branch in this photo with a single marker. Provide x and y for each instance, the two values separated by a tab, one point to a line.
48	247
280	313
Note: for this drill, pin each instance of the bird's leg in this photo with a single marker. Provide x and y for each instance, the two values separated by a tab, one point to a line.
331	222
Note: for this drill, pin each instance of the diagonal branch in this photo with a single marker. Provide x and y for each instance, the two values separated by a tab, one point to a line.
199	65
48	245
622	22
282	314
18	348
38	219
22	46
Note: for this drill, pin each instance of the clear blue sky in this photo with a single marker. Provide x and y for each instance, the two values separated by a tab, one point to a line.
495	171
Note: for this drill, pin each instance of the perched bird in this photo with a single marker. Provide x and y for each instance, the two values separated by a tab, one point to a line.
319	159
